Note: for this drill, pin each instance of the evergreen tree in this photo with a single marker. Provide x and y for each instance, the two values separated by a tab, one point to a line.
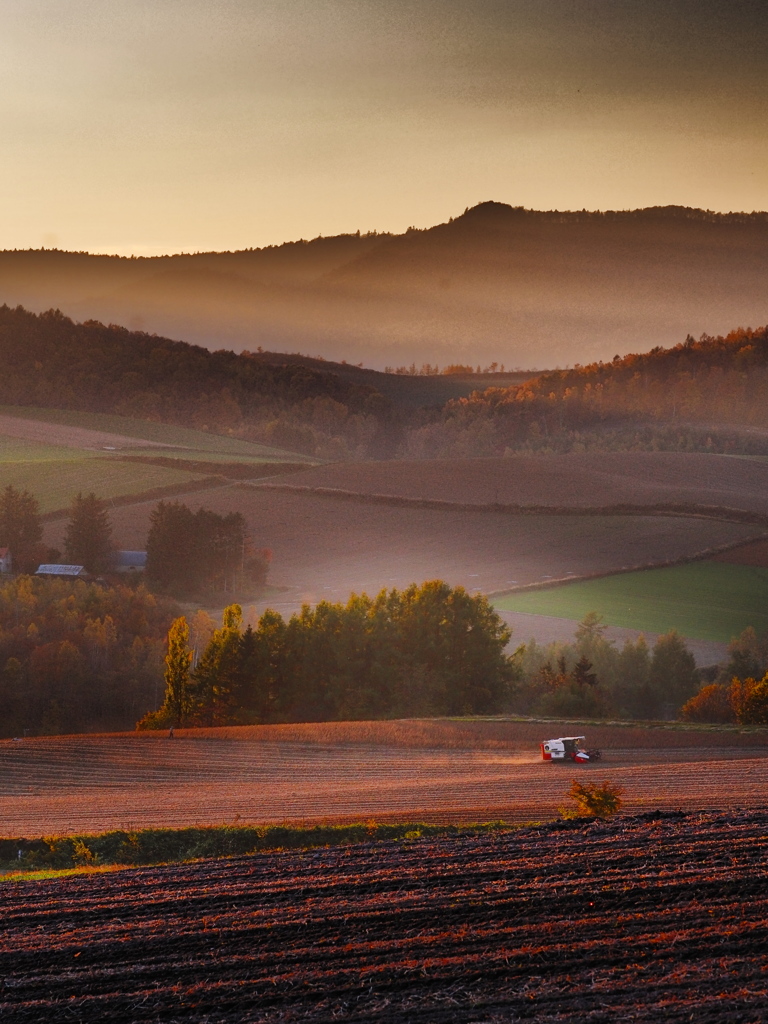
218	676
20	529
632	693
192	552
673	678
88	537
172	548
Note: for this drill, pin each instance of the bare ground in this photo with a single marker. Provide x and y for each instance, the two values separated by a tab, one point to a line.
86	783
581	479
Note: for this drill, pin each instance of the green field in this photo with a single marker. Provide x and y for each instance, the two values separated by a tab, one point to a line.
55	473
55	484
701	600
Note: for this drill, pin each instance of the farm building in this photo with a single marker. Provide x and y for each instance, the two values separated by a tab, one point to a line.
5	560
129	561
69	571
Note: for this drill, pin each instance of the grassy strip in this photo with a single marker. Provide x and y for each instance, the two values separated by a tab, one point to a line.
168	845
705	600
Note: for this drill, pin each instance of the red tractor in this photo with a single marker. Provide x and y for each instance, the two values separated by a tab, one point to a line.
568	748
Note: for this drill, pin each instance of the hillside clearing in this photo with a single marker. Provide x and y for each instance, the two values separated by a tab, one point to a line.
707	600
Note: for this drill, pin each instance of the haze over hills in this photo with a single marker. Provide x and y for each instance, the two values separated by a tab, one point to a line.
497	284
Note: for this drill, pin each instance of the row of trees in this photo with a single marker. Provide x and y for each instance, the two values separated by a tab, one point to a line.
434	650
593	678
192	552
188	553
426	650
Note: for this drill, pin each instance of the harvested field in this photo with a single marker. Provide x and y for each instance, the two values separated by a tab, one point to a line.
356	771
586	480
70	436
324	548
638	919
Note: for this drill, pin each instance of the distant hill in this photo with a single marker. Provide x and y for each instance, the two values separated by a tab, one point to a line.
299	403
497	284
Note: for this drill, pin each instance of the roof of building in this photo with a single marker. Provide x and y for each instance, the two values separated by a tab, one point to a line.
60	570
137	559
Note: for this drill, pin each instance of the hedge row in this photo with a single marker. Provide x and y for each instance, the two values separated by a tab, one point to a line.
164	845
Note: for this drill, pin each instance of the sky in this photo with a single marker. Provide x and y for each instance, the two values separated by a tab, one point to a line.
154	126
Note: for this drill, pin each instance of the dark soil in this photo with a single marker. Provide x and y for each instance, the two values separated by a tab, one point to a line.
651	918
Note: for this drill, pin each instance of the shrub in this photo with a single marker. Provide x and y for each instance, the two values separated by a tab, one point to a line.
593	801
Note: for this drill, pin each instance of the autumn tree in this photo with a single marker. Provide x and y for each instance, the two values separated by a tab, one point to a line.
88	537
178	698
755	711
711	704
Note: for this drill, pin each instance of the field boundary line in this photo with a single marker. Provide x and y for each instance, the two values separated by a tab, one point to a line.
719	512
669	563
170	491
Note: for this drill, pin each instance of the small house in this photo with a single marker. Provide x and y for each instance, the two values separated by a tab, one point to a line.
5	560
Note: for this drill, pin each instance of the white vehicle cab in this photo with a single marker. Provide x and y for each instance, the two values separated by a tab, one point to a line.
568	748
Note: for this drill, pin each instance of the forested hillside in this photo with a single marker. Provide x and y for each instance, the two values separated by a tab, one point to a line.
709	395
497	284
705	395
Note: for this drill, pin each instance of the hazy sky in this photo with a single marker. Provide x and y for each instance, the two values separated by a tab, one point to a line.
179	125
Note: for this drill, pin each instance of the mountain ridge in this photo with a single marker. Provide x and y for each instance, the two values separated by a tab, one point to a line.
496	284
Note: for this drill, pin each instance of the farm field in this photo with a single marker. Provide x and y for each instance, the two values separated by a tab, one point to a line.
68	426
440	772
56	483
55	455
641	919
709	600
590	479
323	547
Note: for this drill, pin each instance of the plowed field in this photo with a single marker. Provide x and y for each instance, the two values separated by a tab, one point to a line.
274	774
588	479
324	547
633	920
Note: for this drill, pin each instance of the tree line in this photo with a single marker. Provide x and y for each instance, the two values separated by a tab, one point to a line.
188	553
50	360
426	650
684	398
